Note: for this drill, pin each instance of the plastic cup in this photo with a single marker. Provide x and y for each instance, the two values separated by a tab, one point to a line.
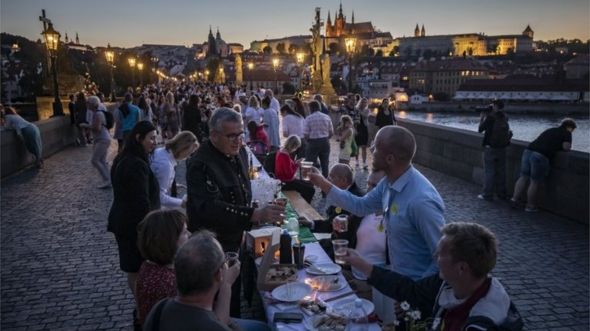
306	169
340	249
231	258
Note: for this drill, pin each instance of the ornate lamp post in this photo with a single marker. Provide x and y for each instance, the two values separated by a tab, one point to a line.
132	61
250	67
350	49
300	58
140	68
110	56
155	60
275	66
52	42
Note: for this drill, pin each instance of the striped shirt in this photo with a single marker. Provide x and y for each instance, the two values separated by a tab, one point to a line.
318	125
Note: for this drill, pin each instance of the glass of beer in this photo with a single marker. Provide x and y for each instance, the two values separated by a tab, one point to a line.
306	169
340	246
231	258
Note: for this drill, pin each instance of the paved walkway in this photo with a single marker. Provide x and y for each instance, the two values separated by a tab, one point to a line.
59	266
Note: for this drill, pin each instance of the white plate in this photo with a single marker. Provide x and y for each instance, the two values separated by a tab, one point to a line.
322	269
343	308
291	292
328	283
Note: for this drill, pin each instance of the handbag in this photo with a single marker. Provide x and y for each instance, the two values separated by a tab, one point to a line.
354	148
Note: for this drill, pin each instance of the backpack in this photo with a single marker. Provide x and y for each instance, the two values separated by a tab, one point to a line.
110	119
501	134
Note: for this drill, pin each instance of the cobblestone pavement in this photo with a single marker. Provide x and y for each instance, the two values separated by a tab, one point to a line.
59	266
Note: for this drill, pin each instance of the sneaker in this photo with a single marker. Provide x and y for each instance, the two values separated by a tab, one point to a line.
483	197
104	185
531	209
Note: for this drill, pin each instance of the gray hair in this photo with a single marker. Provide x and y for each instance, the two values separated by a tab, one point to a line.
197	262
93	100
222	115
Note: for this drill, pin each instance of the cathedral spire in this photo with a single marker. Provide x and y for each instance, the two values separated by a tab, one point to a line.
353	17
218	35
417	31
340	15
329	19
77	39
423	32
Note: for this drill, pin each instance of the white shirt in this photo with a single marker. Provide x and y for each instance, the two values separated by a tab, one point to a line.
293	125
162	165
103	134
370	242
253	114
274	104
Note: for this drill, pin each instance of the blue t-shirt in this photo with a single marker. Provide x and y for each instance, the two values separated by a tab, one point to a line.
131	119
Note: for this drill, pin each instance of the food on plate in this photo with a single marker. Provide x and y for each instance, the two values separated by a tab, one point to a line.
328	323
281	274
313	307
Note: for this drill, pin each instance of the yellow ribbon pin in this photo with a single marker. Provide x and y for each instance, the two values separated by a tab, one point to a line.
338	210
394	208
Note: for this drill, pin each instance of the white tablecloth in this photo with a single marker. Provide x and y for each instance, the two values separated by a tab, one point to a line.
271	307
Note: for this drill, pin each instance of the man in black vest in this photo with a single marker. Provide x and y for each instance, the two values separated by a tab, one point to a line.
219	191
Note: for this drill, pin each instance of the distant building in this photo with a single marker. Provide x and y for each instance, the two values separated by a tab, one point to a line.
445	76
523	88
266	79
473	44
216	46
578	67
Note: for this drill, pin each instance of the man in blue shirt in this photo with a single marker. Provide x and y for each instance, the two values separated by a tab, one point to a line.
413	209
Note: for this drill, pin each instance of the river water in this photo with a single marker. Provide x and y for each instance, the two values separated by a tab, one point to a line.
525	127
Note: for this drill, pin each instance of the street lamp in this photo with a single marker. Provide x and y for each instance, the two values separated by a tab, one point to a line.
52	42
221	76
110	56
350	49
275	65
300	57
155	60
250	67
207	74
132	62
140	68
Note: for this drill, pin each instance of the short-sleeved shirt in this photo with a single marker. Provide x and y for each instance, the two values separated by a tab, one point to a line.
293	125
176	316
318	125
551	141
103	134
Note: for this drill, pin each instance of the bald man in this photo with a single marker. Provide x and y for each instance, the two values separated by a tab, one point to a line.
412	208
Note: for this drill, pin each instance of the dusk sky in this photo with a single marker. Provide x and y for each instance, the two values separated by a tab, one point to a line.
128	23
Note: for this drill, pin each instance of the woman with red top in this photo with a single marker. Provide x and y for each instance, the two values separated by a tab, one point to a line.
258	142
160	234
286	169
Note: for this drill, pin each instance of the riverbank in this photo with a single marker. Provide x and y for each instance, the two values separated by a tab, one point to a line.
511	108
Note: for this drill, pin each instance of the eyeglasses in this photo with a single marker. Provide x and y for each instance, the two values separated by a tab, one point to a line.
235	136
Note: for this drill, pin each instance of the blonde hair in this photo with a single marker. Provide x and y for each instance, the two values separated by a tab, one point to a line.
182	141
170	97
253	102
292	143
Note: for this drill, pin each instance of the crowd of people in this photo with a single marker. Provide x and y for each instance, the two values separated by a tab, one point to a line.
173	248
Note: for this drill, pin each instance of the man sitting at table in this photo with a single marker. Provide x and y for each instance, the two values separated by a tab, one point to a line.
341	176
462	296
203	281
412	208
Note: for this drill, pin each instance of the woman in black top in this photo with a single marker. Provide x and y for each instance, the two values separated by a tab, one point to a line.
385	115
135	193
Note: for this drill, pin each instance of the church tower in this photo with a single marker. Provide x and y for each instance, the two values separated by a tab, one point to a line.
528	32
417	31
329	28
212	45
77	39
423	32
339	23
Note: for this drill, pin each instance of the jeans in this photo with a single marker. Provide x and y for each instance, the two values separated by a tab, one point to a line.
32	140
99	158
494	165
319	148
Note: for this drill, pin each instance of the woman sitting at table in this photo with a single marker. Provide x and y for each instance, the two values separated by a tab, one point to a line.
286	169
160	235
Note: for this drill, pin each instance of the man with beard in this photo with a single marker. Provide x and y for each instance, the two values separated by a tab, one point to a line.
412	208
